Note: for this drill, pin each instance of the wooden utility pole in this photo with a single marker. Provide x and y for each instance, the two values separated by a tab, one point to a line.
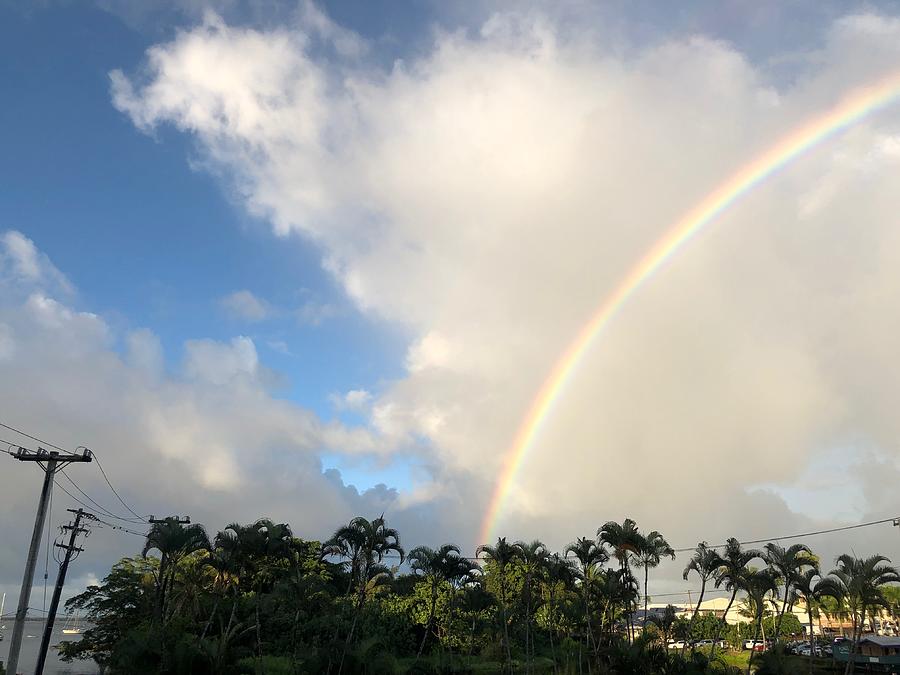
50	463
74	530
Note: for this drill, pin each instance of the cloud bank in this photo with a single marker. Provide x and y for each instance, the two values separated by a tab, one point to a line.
487	195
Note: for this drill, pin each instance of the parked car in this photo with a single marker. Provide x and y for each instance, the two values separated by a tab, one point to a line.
677	644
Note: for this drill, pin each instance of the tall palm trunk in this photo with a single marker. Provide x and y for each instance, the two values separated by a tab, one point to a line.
784	605
428	623
812	644
719	626
646	595
694	615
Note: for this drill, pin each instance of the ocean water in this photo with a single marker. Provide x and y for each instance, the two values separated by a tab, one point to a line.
32	642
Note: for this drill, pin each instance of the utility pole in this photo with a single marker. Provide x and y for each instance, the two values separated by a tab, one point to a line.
50	463
74	530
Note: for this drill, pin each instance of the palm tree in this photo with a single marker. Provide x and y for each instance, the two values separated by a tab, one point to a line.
364	543
733	567
786	564
590	556
705	563
857	582
256	548
757	584
665	622
173	541
625	541
805	589
652	550
531	557
437	567
559	574
501	555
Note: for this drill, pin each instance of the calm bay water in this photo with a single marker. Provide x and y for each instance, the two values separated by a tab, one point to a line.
30	645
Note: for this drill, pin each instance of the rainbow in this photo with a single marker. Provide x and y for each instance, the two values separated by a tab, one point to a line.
854	107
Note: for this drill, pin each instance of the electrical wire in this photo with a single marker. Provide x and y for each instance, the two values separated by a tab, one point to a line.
107	512
96	459
9	444
123	529
802	534
35	438
114	491
749	542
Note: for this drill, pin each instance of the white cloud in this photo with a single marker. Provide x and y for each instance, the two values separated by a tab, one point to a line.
489	194
219	363
210	441
355	399
22	264
246	306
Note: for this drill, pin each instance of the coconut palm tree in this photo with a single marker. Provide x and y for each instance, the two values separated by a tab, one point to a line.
532	557
733	567
590	556
502	554
786	564
857	582
652	550
437	567
705	563
173	541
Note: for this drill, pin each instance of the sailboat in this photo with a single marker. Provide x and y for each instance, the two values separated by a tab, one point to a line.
71	628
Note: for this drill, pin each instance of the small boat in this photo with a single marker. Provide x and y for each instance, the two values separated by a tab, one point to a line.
72	628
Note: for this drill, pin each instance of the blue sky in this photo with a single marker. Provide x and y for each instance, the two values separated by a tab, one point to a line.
150	242
478	177
144	237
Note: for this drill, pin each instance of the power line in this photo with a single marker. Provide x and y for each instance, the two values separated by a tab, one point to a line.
102	508
35	438
118	496
99	466
801	535
123	529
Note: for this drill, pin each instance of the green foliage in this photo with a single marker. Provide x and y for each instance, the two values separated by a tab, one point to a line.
258	600
790	625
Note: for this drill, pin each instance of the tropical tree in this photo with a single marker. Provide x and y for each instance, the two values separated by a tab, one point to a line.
591	556
786	564
625	541
502	554
173	541
437	567
256	548
731	571
653	548
665	623
559	574
532	557
705	563
757	584
364	544
858	582
806	589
